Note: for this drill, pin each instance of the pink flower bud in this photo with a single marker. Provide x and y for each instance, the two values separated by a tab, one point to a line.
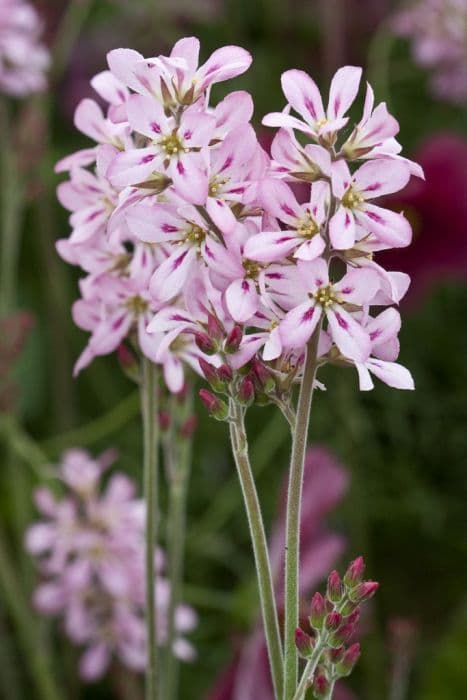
320	686
336	655
335	589
354	616
347	664
233	340
188	427
216	407
264	377
215	329
210	372
164	420
364	591
205	344
246	391
225	373
341	635
318	612
303	642
333	620
354	573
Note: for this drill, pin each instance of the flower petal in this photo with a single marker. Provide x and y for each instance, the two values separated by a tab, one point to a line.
298	325
349	336
242	300
342	229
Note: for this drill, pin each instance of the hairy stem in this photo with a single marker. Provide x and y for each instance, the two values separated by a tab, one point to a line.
308	672
151	479
294	498
260	548
179	477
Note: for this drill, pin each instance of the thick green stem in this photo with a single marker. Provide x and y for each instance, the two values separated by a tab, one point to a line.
260	548
151	485
33	648
179	477
294	498
308	672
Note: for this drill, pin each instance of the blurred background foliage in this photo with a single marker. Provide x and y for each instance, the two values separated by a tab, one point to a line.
406	452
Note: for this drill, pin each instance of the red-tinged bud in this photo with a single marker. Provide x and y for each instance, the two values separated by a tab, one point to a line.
318	611
164	420
354	617
335	589
333	621
225	373
188	427
335	655
210	372
347	664
363	592
246	391
217	408
320	686
303	642
215	328
128	362
264	377
205	344
347	607
354	574
341	636
233	340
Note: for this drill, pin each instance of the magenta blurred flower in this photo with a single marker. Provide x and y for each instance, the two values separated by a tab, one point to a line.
325	484
437	30
437	209
23	59
90	552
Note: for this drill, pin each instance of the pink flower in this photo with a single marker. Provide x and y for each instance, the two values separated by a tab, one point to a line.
357	288
24	60
89	550
303	224
304	97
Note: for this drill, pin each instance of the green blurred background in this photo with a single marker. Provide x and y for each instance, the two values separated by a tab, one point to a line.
406	452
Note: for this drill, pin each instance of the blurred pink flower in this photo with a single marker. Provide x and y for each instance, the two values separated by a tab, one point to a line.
325	484
90	551
23	58
437	209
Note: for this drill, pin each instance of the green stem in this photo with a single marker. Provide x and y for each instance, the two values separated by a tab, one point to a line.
180	474
69	30
331	689
260	548
294	497
308	672
151	485
32	645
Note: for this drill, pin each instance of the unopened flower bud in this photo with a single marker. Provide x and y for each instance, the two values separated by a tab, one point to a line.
354	616
233	340
318	612
303	642
246	391
320	686
354	574
205	344
335	655
332	621
342	635
217	408
225	373
347	664
363	592
210	372
335	589
347	607
264	377
215	328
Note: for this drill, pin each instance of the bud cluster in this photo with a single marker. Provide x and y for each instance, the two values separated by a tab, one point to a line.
333	619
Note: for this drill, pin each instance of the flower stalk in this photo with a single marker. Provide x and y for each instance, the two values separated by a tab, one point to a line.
151	486
260	548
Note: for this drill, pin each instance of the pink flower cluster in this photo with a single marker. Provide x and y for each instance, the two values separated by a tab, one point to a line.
90	552
23	59
194	243
438	33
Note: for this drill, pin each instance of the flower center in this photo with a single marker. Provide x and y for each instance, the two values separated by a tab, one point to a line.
307	227
216	184
171	144
137	305
322	122
326	296
352	199
195	234
252	269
